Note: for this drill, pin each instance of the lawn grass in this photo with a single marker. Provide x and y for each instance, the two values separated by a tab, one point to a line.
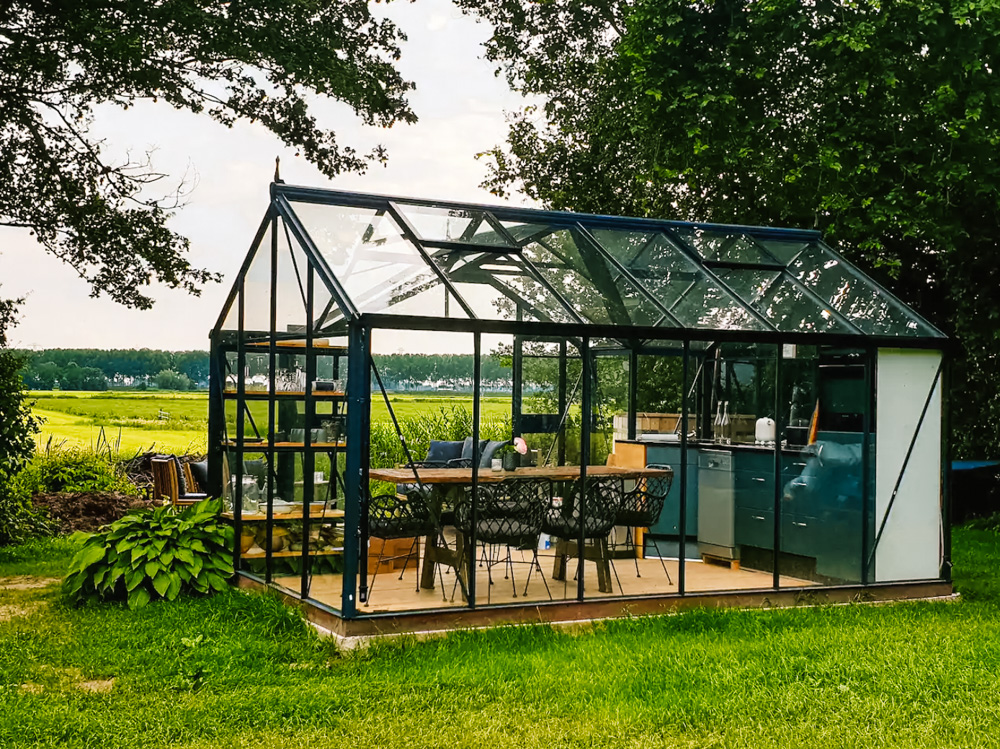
134	418
242	670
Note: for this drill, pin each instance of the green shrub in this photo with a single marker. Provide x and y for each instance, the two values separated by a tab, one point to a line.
74	470
18	521
453	423
17	443
154	554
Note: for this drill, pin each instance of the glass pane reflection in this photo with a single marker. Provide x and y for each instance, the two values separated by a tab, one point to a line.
855	297
714	244
778	299
380	270
467	225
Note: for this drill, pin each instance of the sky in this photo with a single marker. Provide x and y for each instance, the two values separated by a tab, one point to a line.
460	104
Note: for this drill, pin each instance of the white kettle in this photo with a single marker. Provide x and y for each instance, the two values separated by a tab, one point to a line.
764	430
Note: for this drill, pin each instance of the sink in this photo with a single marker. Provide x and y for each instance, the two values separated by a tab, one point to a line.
660	437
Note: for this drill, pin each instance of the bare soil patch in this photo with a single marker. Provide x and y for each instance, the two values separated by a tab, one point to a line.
87	511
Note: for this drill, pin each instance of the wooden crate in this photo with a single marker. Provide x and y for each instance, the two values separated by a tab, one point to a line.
392	547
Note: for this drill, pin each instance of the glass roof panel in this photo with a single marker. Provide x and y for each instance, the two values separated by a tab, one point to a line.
733	247
784	250
575	267
500	287
452	224
678	282
517	264
257	288
379	270
290	288
857	298
775	296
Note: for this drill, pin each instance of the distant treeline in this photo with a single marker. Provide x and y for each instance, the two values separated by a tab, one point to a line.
101	369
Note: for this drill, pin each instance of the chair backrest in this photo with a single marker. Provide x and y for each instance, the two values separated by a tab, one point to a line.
599	505
510	512
164	479
641	507
395	516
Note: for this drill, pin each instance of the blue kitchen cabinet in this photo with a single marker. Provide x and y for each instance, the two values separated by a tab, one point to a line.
670	517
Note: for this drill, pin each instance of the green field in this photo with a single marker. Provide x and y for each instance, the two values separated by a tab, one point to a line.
178	422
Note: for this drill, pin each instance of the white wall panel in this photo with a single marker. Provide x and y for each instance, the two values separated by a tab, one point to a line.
910	547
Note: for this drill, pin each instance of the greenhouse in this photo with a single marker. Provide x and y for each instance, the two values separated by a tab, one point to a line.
428	414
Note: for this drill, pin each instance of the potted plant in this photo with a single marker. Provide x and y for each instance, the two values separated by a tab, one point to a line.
511	454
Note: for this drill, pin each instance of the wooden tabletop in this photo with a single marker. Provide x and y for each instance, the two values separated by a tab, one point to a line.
487	476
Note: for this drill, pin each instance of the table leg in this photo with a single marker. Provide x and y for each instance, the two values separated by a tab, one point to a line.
603	566
559	565
430	557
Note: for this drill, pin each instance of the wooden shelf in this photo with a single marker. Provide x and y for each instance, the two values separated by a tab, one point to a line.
274	554
258	517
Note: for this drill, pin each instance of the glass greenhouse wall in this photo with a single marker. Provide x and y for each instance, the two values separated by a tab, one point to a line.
624	409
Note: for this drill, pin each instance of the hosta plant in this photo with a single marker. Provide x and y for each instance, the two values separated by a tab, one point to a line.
151	554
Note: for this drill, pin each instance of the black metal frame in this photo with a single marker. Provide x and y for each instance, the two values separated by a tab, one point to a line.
633	340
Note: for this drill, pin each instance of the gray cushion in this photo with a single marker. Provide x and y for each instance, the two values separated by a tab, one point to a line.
490	451
467	447
442	452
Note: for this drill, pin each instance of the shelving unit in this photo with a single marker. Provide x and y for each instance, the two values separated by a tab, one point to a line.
249	441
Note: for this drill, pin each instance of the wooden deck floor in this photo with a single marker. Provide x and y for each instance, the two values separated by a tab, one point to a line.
390	594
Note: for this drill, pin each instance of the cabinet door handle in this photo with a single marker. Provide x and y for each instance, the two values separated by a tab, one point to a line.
757	517
756	478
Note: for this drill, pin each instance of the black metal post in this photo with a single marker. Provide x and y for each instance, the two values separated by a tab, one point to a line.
356	470
586	420
517	382
633	386
682	519
271	406
476	413
868	426
241	404
946	472
779	429
561	434
309	456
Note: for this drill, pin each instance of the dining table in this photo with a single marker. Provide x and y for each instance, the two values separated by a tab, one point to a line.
456	478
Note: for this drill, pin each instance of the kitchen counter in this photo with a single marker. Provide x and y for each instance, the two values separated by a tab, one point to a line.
694	444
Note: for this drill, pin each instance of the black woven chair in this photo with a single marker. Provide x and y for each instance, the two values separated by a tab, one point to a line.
641	508
599	502
400	516
508	515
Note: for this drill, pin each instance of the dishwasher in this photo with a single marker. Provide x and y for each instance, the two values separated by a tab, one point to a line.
716	505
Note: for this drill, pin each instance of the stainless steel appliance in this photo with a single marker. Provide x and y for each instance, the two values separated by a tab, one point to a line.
716	505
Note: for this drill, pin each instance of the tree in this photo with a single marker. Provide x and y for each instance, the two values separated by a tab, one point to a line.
17	431
257	60
874	122
169	379
75	377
